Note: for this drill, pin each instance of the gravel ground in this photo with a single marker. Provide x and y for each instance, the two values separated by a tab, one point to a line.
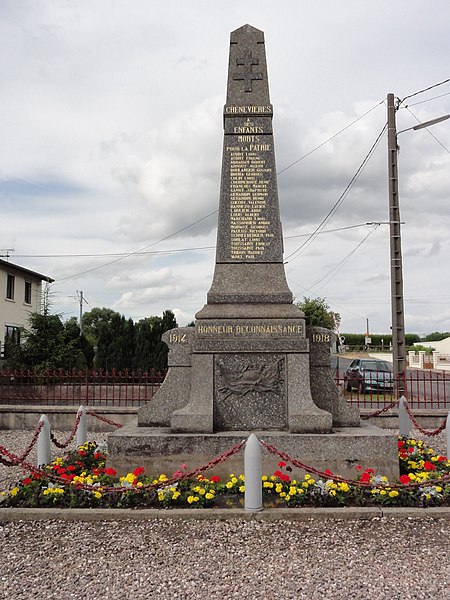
380	558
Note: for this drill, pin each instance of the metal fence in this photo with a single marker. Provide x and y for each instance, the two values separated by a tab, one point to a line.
424	389
68	388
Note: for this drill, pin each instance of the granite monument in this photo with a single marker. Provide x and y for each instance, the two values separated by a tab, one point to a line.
250	364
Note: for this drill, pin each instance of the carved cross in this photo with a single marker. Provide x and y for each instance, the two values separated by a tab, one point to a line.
248	76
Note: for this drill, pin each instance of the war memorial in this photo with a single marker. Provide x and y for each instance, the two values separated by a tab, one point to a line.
251	364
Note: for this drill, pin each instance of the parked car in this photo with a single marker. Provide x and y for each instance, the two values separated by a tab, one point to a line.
369	375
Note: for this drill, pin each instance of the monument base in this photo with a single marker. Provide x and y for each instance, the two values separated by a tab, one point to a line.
159	450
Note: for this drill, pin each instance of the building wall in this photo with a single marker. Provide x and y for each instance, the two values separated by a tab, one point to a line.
15	312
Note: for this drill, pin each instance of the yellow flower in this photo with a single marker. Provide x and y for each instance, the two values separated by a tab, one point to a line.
139	484
278	487
393	493
209	496
161	496
242	477
300	491
438	489
287	498
234	480
383	492
176	495
242	488
14	491
307	476
264	478
332	492
201	491
292	490
282	494
163	477
229	485
268	484
97	494
343	487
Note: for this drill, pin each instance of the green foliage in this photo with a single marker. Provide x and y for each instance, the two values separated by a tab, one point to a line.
318	313
437	336
47	344
420	348
357	340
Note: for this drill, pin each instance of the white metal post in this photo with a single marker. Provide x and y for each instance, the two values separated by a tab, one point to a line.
44	443
82	426
253	474
404	423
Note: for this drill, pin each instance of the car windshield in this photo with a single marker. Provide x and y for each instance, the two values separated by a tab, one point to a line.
375	365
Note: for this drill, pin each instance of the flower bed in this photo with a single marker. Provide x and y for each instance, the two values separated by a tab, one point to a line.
81	480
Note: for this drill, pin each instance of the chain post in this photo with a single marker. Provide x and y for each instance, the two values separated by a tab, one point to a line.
253	474
404	424
44	443
82	426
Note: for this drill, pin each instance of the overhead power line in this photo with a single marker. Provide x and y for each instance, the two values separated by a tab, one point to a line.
425	90
341	197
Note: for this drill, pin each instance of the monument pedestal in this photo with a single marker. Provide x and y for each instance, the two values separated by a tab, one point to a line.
159	450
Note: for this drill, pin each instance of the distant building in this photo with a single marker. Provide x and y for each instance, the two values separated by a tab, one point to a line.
20	294
441	346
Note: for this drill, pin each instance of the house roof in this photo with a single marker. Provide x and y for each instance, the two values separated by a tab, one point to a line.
10	265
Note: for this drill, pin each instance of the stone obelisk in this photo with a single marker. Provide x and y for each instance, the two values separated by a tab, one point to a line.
250	361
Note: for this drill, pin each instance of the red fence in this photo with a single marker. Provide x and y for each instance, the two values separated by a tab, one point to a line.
424	389
67	388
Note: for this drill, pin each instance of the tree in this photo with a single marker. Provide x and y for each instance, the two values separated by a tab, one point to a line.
436	336
46	345
150	351
318	313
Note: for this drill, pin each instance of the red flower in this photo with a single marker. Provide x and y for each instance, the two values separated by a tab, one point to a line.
27	481
71	467
138	471
442	458
405	479
81	452
429	466
358	467
215	479
281	464
284	477
365	477
328	472
277	473
411	449
400	443
112	472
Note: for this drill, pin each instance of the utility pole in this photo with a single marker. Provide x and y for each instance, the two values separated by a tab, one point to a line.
81	299
397	306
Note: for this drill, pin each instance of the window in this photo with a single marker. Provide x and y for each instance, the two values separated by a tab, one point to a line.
10	287
12	338
12	333
27	292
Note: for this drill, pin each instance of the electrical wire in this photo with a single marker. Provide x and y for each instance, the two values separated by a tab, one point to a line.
341	197
330	138
137	251
334	271
425	90
430	132
428	100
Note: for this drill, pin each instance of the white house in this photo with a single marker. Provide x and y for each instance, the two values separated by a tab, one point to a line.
443	346
20	294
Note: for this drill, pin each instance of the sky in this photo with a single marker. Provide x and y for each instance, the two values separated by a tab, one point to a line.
111	147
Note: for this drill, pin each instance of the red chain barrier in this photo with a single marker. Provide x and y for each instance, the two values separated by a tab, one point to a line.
379	412
71	435
30	447
15	461
338	478
441	427
104	419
